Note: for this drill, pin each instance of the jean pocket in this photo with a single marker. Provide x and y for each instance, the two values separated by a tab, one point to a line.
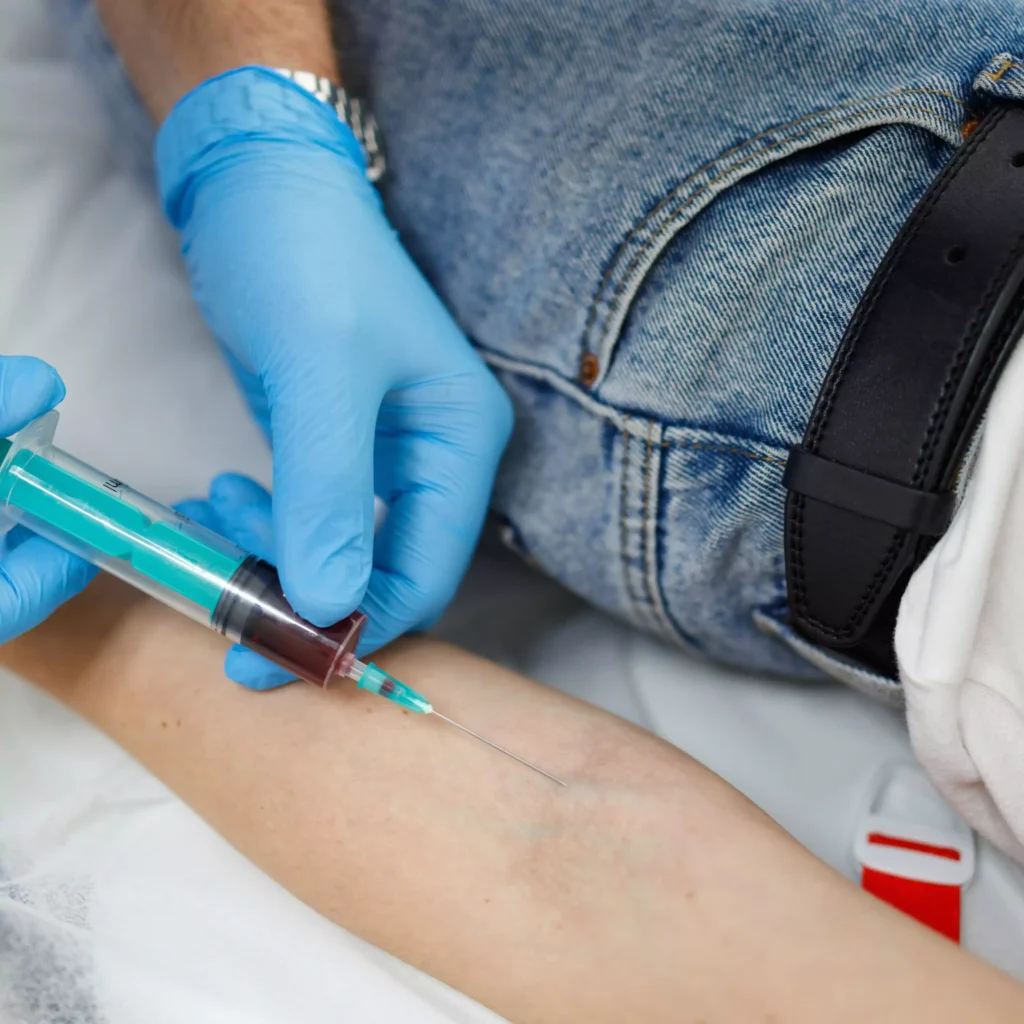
705	319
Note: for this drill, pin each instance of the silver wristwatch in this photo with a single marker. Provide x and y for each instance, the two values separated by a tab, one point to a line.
351	112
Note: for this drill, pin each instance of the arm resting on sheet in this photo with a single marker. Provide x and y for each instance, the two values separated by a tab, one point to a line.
648	890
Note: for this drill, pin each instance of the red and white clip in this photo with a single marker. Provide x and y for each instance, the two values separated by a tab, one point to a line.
918	868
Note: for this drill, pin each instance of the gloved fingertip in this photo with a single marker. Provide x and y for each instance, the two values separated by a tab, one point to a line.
334	592
366	648
380	630
372	640
254	672
36	578
60	390
39	376
16	536
235	488
80	574
49	565
243	509
199	511
28	388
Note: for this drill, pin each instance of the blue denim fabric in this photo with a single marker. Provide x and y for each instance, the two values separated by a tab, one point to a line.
655	220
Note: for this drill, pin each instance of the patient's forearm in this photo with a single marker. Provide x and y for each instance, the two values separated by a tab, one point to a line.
170	46
648	890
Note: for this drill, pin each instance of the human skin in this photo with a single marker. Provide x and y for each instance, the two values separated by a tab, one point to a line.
171	46
646	890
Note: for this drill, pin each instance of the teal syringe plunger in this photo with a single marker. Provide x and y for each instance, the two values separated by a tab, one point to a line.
183	565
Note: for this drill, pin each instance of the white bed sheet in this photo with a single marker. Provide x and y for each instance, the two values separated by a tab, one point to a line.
117	904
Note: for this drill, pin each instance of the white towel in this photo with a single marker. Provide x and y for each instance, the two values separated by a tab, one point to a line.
960	635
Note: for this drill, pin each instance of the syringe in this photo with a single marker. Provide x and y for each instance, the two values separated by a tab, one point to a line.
185	566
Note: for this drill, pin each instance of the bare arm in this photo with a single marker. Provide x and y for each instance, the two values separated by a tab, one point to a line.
170	46
648	890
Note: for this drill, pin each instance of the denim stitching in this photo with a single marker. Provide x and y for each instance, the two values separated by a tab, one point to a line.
722	449
618	420
667	199
672	627
623	508
994	76
726	172
649	605
654	582
643	526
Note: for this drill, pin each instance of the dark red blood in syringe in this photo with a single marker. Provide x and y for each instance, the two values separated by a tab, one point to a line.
254	611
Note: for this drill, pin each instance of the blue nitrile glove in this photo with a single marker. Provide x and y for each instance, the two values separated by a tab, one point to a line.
365	380
239	509
36	577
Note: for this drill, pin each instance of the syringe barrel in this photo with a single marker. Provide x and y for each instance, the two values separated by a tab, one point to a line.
164	554
254	611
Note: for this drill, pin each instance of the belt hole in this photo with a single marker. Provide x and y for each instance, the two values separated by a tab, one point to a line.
956	253
1017	160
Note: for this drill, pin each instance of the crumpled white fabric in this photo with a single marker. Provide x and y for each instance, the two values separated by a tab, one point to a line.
960	635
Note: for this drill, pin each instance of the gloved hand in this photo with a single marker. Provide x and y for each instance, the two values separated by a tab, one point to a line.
240	509
363	379
35	576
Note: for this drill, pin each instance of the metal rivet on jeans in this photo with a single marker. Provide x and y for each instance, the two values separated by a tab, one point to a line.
590	367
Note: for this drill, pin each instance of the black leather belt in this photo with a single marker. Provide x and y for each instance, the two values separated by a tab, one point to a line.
872	486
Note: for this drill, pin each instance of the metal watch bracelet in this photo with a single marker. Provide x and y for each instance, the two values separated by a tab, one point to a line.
350	111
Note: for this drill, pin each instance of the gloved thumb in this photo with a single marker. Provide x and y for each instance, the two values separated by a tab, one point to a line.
322	435
28	388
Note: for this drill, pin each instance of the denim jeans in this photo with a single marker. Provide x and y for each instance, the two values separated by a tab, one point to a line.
655	219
